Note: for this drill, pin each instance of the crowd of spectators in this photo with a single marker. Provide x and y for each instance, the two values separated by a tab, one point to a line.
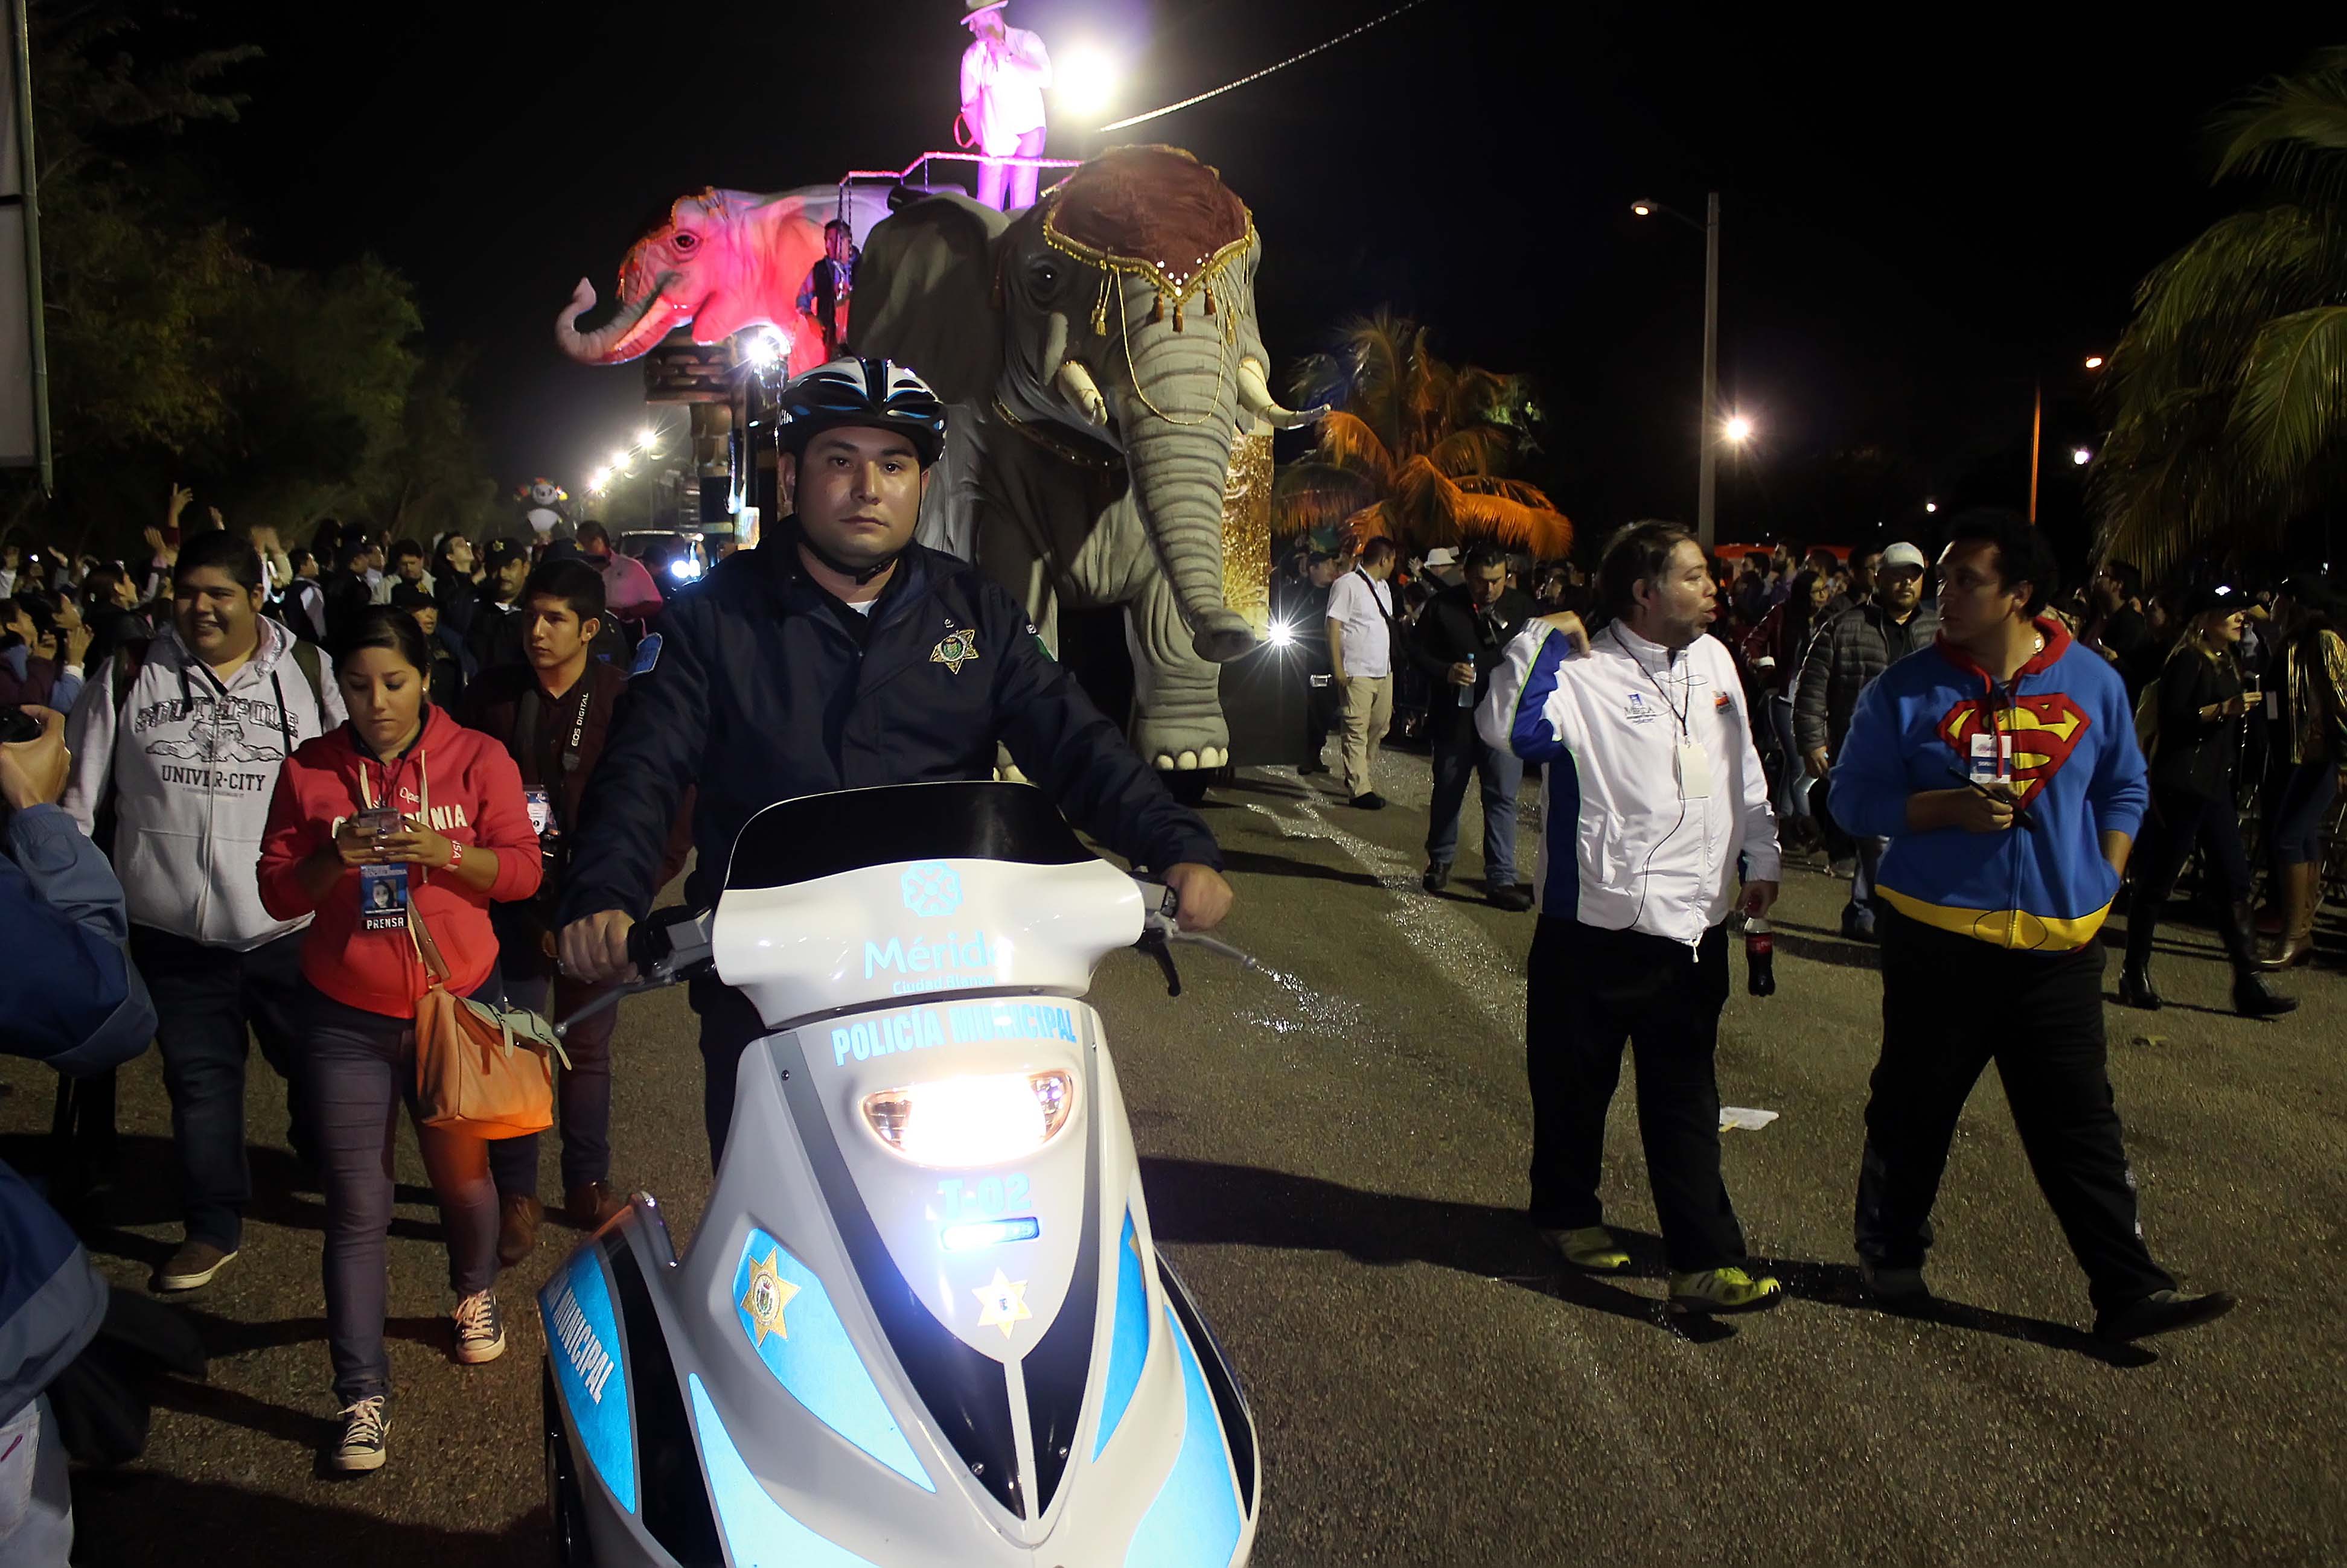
223	771
2254	720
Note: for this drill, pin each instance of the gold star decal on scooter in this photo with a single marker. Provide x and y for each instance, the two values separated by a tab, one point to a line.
1003	1302
955	650
768	1294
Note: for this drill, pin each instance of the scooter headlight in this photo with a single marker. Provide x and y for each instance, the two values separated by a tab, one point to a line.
978	1120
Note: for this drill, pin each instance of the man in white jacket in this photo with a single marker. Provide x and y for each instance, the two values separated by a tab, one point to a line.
1650	792
177	742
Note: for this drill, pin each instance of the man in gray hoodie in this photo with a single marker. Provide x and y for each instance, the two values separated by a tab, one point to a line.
177	742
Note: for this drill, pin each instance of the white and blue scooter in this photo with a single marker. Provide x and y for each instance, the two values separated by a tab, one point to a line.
922	1324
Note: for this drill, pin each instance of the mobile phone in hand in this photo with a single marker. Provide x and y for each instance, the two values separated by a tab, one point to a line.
380	821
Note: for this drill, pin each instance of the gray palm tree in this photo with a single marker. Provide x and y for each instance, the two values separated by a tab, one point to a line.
2229	389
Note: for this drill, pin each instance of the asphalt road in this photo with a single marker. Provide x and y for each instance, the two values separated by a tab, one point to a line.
1334	1147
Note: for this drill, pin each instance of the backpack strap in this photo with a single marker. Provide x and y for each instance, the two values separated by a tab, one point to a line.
305	654
128	660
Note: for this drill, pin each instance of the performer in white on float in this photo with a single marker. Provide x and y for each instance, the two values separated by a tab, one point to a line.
1003	74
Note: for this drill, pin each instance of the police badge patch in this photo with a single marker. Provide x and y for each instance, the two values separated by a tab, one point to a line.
955	650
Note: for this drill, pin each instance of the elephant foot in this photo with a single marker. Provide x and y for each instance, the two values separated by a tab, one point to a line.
1189	761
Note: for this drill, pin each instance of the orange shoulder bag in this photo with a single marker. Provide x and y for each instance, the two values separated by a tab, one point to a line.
483	1068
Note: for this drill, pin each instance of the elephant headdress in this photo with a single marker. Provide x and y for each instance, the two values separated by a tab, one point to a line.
1155	213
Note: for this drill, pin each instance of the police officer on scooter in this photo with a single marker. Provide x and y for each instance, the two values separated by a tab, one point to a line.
839	654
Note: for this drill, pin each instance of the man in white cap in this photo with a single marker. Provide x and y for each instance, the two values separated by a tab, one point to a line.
1845	654
1003	74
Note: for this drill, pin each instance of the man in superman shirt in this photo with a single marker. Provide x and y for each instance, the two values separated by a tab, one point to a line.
2001	764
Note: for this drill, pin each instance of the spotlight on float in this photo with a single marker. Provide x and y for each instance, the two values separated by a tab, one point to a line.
763	349
1084	82
1281	635
1737	429
647	435
2094	361
1643	208
1931	505
2081	456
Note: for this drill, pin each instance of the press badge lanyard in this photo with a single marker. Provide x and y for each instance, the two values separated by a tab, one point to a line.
1690	763
526	727
391	782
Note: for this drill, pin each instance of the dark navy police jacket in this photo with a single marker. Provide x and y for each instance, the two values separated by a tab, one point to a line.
68	997
761	687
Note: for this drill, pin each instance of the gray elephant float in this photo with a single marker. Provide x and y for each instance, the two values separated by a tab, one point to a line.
1102	358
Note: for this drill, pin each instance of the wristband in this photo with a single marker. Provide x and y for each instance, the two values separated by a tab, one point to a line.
456	854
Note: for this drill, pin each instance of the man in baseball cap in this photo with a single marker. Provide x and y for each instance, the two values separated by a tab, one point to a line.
1848	653
496	637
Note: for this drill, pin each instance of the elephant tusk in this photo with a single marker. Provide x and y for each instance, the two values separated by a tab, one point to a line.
1255	397
1076	384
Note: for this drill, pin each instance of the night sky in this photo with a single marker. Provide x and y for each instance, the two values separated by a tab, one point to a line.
1922	210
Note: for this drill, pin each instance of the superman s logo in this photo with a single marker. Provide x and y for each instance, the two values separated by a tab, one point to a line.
2044	731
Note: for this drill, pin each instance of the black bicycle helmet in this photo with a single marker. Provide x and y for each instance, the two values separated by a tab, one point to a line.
871	392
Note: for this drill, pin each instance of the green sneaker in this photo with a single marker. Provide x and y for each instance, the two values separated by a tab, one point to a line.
1724	1291
1592	1247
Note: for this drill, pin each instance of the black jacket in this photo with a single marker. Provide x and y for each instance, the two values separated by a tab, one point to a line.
760	687
2192	756
1452	631
1850	650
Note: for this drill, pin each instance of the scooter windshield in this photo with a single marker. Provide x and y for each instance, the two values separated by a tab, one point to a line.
819	835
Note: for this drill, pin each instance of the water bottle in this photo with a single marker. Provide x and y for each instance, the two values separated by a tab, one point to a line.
1466	694
1759	957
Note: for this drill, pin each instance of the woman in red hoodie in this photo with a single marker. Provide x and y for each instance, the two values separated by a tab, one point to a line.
464	840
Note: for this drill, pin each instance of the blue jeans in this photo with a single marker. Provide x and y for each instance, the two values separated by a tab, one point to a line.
206	1002
1869	866
2307	791
1456	761
1792	775
362	1066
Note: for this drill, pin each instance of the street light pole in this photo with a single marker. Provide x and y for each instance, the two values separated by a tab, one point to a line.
2036	444
1707	438
1705	478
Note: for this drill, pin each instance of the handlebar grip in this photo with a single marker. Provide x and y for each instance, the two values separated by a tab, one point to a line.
649	945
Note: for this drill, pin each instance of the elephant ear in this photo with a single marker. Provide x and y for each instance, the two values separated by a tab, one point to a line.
924	296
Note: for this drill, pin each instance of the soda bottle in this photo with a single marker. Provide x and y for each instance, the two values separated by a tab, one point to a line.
1759	957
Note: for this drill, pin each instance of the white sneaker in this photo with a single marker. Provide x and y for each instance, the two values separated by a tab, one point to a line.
364	1426
480	1329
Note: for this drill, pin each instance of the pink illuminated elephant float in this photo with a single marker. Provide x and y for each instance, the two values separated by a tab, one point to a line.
1101	353
725	261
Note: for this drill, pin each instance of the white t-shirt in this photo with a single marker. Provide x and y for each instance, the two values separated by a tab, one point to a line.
1006	81
1368	643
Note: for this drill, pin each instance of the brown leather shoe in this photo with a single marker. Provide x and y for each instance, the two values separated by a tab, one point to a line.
517	1218
589	1207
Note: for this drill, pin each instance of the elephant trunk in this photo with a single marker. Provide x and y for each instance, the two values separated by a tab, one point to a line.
1255	398
630	333
1178	449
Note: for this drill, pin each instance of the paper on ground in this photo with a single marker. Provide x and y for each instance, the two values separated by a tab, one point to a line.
1740	1116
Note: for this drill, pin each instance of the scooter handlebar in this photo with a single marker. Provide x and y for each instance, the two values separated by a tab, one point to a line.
1160	931
669	944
